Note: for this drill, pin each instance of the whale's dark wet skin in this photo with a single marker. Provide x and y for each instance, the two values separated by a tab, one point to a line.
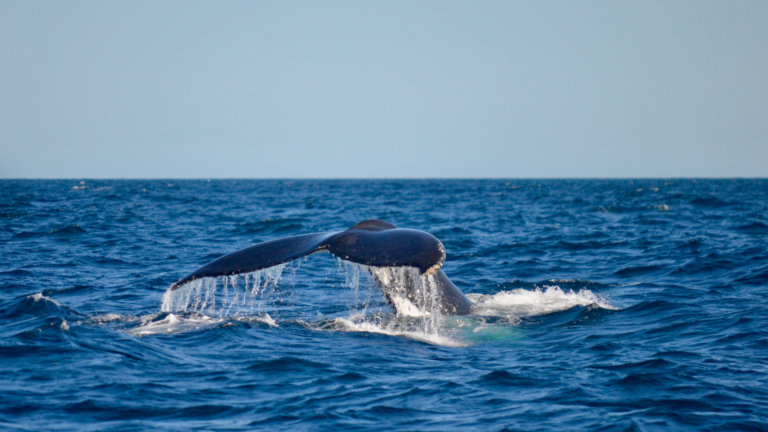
371	243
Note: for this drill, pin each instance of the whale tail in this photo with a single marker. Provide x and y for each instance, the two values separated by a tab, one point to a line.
372	243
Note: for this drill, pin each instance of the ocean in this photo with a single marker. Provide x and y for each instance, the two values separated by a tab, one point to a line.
599	305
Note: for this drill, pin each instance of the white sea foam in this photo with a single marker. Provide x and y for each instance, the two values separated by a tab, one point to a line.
39	296
394	327
524	303
263	318
110	317
424	321
172	323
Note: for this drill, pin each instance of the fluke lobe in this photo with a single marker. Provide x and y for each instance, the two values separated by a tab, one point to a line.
373	243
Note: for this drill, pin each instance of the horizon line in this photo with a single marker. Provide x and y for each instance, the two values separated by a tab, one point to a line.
377	178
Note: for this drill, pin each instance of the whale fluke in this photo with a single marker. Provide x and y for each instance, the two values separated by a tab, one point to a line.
371	243
260	256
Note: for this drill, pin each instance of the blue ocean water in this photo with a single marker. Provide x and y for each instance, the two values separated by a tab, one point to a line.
599	305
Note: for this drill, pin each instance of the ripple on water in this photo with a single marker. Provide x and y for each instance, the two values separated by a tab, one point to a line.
599	305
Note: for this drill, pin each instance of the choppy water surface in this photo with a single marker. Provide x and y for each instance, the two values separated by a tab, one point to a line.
599	305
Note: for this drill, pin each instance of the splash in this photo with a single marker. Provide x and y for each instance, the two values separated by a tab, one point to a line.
414	296
523	303
225	296
411	293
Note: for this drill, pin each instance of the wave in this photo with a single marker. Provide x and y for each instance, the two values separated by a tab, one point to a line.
40	297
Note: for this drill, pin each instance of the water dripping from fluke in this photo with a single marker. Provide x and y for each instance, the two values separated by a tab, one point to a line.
225	296
414	296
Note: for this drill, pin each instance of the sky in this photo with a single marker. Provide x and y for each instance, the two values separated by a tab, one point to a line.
387	89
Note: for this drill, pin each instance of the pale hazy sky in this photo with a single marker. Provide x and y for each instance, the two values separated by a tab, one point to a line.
170	89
